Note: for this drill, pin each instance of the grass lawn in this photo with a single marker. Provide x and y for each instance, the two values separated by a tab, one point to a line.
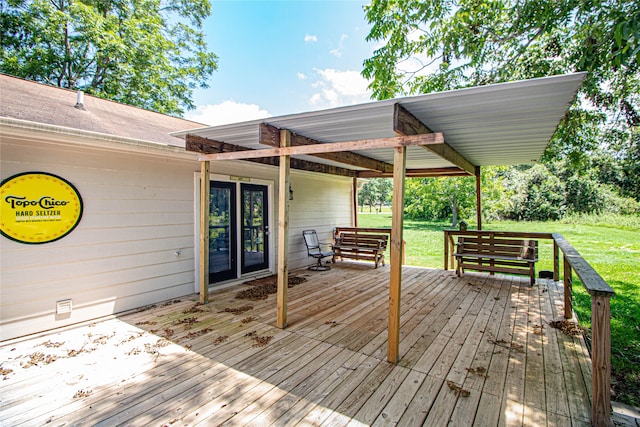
613	251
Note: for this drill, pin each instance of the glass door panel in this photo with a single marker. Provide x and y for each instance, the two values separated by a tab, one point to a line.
255	228
222	232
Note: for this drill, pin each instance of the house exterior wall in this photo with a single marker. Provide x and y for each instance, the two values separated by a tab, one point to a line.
320	202
136	243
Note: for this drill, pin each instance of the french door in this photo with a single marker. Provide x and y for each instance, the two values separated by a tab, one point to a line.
255	228
238	232
223	259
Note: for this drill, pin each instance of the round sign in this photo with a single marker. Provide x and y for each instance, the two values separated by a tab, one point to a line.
38	207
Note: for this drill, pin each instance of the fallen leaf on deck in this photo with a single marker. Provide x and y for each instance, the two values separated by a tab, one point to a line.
196	308
568	327
479	371
82	393
459	390
262	288
238	310
220	339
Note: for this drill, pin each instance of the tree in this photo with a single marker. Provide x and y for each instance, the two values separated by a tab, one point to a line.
434	45
148	53
366	195
440	198
384	189
375	191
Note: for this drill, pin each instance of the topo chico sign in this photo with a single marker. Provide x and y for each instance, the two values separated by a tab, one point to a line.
38	207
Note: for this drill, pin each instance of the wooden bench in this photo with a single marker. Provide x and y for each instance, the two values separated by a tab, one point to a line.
497	255
360	245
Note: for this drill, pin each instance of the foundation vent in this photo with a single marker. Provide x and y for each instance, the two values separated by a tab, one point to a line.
64	307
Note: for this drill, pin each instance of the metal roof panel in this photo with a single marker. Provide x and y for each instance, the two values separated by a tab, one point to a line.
506	123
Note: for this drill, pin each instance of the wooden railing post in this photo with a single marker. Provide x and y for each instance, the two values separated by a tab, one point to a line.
556	262
452	249
600	360
446	250
568	289
600	293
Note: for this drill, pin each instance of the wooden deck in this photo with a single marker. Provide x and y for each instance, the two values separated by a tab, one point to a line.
476	350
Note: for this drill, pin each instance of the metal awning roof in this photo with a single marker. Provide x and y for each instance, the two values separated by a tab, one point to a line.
500	124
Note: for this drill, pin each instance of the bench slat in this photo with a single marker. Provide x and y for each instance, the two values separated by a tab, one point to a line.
361	246
494	254
497	269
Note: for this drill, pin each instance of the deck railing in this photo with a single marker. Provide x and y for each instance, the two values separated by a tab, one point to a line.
601	294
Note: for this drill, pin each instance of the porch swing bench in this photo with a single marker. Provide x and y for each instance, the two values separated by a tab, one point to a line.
497	255
360	245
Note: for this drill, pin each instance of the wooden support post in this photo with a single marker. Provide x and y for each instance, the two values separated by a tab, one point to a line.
478	198
556	262
283	231
568	289
395	280
600	360
205	185
355	201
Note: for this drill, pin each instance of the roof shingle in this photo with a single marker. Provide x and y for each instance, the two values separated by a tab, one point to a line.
40	103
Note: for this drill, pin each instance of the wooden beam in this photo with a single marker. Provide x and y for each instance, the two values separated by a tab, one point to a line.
269	135
416	173
445	151
405	123
395	253
202	145
205	184
333	147
283	232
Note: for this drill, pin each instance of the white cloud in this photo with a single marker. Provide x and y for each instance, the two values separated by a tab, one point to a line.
309	38
336	88
228	111
302	76
337	52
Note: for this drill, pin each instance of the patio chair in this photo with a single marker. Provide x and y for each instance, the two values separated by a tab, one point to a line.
314	250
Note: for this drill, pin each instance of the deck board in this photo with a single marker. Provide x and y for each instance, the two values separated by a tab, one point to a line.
181	363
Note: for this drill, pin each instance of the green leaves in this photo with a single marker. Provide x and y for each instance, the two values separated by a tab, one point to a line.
440	198
139	52
437	45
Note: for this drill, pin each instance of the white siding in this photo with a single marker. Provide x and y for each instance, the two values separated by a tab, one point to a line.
139	210
320	202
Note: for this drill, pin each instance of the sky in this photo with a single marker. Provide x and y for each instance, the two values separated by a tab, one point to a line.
283	57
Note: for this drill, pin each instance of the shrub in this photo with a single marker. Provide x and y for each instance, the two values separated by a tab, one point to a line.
539	195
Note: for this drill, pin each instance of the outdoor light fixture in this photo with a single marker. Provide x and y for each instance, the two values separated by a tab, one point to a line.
290	192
